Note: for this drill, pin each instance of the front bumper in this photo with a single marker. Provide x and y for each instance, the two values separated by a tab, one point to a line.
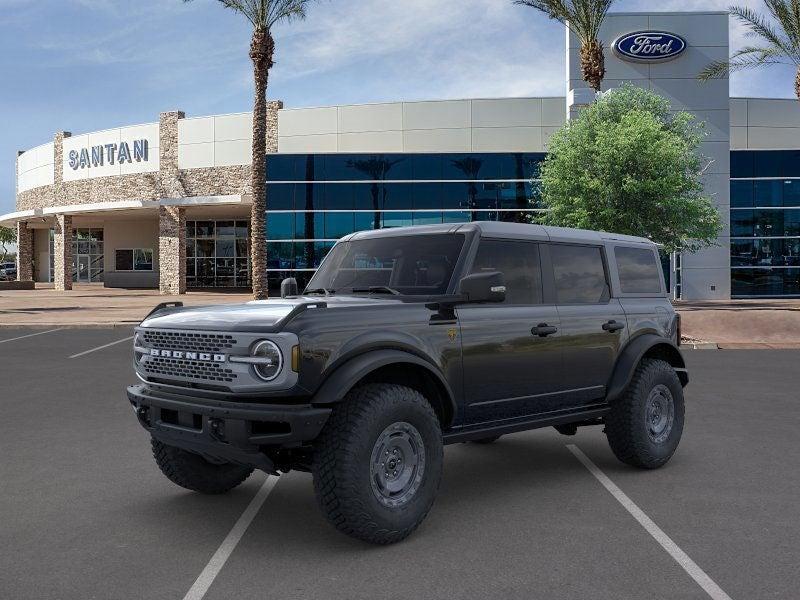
228	431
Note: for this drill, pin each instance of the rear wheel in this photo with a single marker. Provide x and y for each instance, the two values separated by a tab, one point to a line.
378	462
645	426
193	472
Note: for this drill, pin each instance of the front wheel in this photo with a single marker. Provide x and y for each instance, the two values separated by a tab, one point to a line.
645	426
378	462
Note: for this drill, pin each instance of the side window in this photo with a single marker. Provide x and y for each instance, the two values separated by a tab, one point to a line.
519	264
638	270
580	277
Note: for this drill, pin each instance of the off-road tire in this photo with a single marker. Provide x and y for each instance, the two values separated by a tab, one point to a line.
193	472
487	440
343	462
627	425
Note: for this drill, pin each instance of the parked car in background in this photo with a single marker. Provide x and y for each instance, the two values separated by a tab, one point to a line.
8	271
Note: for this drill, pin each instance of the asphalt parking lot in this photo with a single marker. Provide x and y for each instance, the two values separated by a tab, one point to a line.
85	513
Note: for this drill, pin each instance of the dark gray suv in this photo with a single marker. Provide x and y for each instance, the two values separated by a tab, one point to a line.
406	340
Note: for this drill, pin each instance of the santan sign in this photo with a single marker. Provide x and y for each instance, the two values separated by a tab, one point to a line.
649	46
97	156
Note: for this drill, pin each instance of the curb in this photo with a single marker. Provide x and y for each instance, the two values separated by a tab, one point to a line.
702	346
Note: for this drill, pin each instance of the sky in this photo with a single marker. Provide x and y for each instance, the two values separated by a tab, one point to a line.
86	65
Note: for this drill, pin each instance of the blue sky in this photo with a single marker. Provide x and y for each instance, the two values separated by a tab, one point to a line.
84	65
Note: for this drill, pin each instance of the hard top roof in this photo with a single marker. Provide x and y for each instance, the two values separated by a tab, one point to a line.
507	230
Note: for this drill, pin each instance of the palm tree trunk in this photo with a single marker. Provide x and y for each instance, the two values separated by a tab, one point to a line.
261	51
797	84
593	66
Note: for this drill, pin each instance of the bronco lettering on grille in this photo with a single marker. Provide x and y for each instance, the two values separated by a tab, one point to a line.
184	355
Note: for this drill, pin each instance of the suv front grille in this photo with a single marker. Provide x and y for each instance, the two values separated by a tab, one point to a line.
193	342
188	369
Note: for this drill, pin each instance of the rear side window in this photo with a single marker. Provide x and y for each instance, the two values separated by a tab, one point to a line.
519	264
638	270
580	276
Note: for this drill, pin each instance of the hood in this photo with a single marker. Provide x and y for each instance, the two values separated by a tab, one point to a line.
259	315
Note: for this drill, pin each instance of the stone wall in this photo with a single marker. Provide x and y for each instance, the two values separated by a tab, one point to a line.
62	253
172	249
24	252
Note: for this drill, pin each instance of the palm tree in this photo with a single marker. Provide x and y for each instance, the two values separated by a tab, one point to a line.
780	41
262	15
584	19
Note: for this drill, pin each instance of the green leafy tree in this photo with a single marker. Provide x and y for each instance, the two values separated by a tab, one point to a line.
584	18
628	165
263	15
8	236
778	40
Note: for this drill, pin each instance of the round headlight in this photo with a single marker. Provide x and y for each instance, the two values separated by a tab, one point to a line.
271	361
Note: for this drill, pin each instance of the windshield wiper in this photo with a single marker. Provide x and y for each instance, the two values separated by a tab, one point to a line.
376	289
323	291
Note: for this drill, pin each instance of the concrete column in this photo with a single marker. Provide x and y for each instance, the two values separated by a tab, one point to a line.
169	176
62	250
273	106
172	250
24	252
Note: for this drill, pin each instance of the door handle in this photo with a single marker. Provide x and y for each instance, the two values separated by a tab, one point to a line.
612	326
543	330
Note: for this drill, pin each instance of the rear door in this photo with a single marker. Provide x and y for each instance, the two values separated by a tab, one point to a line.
593	325
511	351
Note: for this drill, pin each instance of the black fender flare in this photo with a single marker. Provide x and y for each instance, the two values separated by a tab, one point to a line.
631	356
336	385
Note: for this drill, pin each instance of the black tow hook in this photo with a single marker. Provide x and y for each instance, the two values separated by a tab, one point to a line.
217	429
143	414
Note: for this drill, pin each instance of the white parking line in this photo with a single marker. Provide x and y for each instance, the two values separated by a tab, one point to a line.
130	337
22	337
688	565
214	566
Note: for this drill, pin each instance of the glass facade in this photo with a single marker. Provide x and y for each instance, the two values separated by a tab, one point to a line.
315	199
218	254
765	223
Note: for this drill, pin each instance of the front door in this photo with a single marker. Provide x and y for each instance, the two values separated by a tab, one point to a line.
593	325
511	351
83	268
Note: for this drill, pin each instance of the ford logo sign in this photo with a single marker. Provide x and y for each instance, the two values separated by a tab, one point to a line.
649	46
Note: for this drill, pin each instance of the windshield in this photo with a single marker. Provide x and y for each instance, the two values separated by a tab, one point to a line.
416	265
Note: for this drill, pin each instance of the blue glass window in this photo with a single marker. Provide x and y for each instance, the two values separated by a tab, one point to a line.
366	196
457	216
339	196
426	166
280	196
427	218
309	226
367	220
280	255
455	195
280	226
768	193
396	196
338	224
741	194
742	164
791	192
765	282
427	195
768	163
309	196
281	167
397	219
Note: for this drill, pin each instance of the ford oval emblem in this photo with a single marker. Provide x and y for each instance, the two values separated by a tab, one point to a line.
649	46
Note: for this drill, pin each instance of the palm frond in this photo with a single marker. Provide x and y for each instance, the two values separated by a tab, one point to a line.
263	14
745	58
759	26
583	17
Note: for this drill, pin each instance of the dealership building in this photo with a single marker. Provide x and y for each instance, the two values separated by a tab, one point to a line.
167	204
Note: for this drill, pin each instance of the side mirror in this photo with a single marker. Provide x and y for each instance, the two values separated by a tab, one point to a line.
483	287
289	287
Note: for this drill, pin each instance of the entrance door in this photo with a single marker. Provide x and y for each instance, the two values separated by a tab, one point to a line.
83	268
511	351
